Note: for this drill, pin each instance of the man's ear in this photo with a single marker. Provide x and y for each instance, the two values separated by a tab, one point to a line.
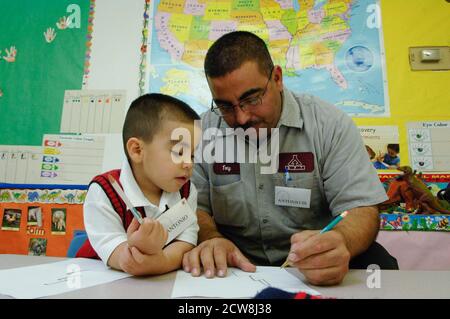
278	76
134	148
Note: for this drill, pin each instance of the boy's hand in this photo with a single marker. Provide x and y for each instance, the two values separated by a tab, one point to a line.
380	157
149	237
132	261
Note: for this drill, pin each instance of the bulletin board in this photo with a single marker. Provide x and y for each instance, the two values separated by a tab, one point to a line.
39	222
43	47
400	217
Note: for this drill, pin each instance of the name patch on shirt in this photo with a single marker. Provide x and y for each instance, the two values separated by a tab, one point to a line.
177	219
293	197
301	162
227	168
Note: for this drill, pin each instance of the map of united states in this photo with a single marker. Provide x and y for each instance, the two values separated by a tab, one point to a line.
332	49
305	36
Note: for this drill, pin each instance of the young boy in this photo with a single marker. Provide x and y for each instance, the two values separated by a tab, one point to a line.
390	159
151	178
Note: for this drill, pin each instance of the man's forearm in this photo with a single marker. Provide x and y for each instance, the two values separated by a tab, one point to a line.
208	228
359	228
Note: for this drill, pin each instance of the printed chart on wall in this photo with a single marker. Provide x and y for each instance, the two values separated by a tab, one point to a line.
428	145
20	164
93	111
71	159
42	57
382	145
326	48
76	159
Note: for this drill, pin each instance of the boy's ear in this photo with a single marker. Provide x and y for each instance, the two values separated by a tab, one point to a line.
134	148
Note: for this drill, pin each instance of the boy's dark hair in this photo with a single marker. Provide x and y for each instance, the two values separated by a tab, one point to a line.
147	113
394	147
232	50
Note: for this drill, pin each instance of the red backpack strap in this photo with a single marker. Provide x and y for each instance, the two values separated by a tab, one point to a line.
185	190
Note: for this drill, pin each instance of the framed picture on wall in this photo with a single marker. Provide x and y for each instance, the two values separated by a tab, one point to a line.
59	221
11	219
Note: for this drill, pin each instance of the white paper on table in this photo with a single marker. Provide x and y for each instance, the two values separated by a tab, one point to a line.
56	278
238	284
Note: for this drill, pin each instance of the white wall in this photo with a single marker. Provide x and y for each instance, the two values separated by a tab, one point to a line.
116	43
115	59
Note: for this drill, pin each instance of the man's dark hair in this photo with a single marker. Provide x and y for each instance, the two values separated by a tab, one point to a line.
232	50
394	147
147	113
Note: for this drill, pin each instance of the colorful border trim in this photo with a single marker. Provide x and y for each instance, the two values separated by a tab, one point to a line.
44	196
430	178
144	49
90	29
415	222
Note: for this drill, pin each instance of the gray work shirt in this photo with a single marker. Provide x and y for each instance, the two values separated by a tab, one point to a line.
339	175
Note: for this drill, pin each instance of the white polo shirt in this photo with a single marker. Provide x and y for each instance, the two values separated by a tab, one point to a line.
104	226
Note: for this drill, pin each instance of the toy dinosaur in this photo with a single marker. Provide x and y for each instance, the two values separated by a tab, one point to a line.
424	201
399	192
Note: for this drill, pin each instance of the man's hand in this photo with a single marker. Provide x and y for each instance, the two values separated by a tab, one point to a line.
215	255
322	258
149	238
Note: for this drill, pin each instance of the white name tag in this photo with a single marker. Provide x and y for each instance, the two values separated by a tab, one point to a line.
293	197
176	219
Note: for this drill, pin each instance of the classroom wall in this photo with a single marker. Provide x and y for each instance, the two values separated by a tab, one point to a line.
413	95
116	52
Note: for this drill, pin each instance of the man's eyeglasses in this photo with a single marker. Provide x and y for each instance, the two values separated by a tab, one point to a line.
247	104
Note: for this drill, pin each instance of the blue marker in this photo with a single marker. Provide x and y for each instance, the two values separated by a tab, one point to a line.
287	177
334	222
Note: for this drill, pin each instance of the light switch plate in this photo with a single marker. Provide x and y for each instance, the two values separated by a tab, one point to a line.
431	55
418	64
